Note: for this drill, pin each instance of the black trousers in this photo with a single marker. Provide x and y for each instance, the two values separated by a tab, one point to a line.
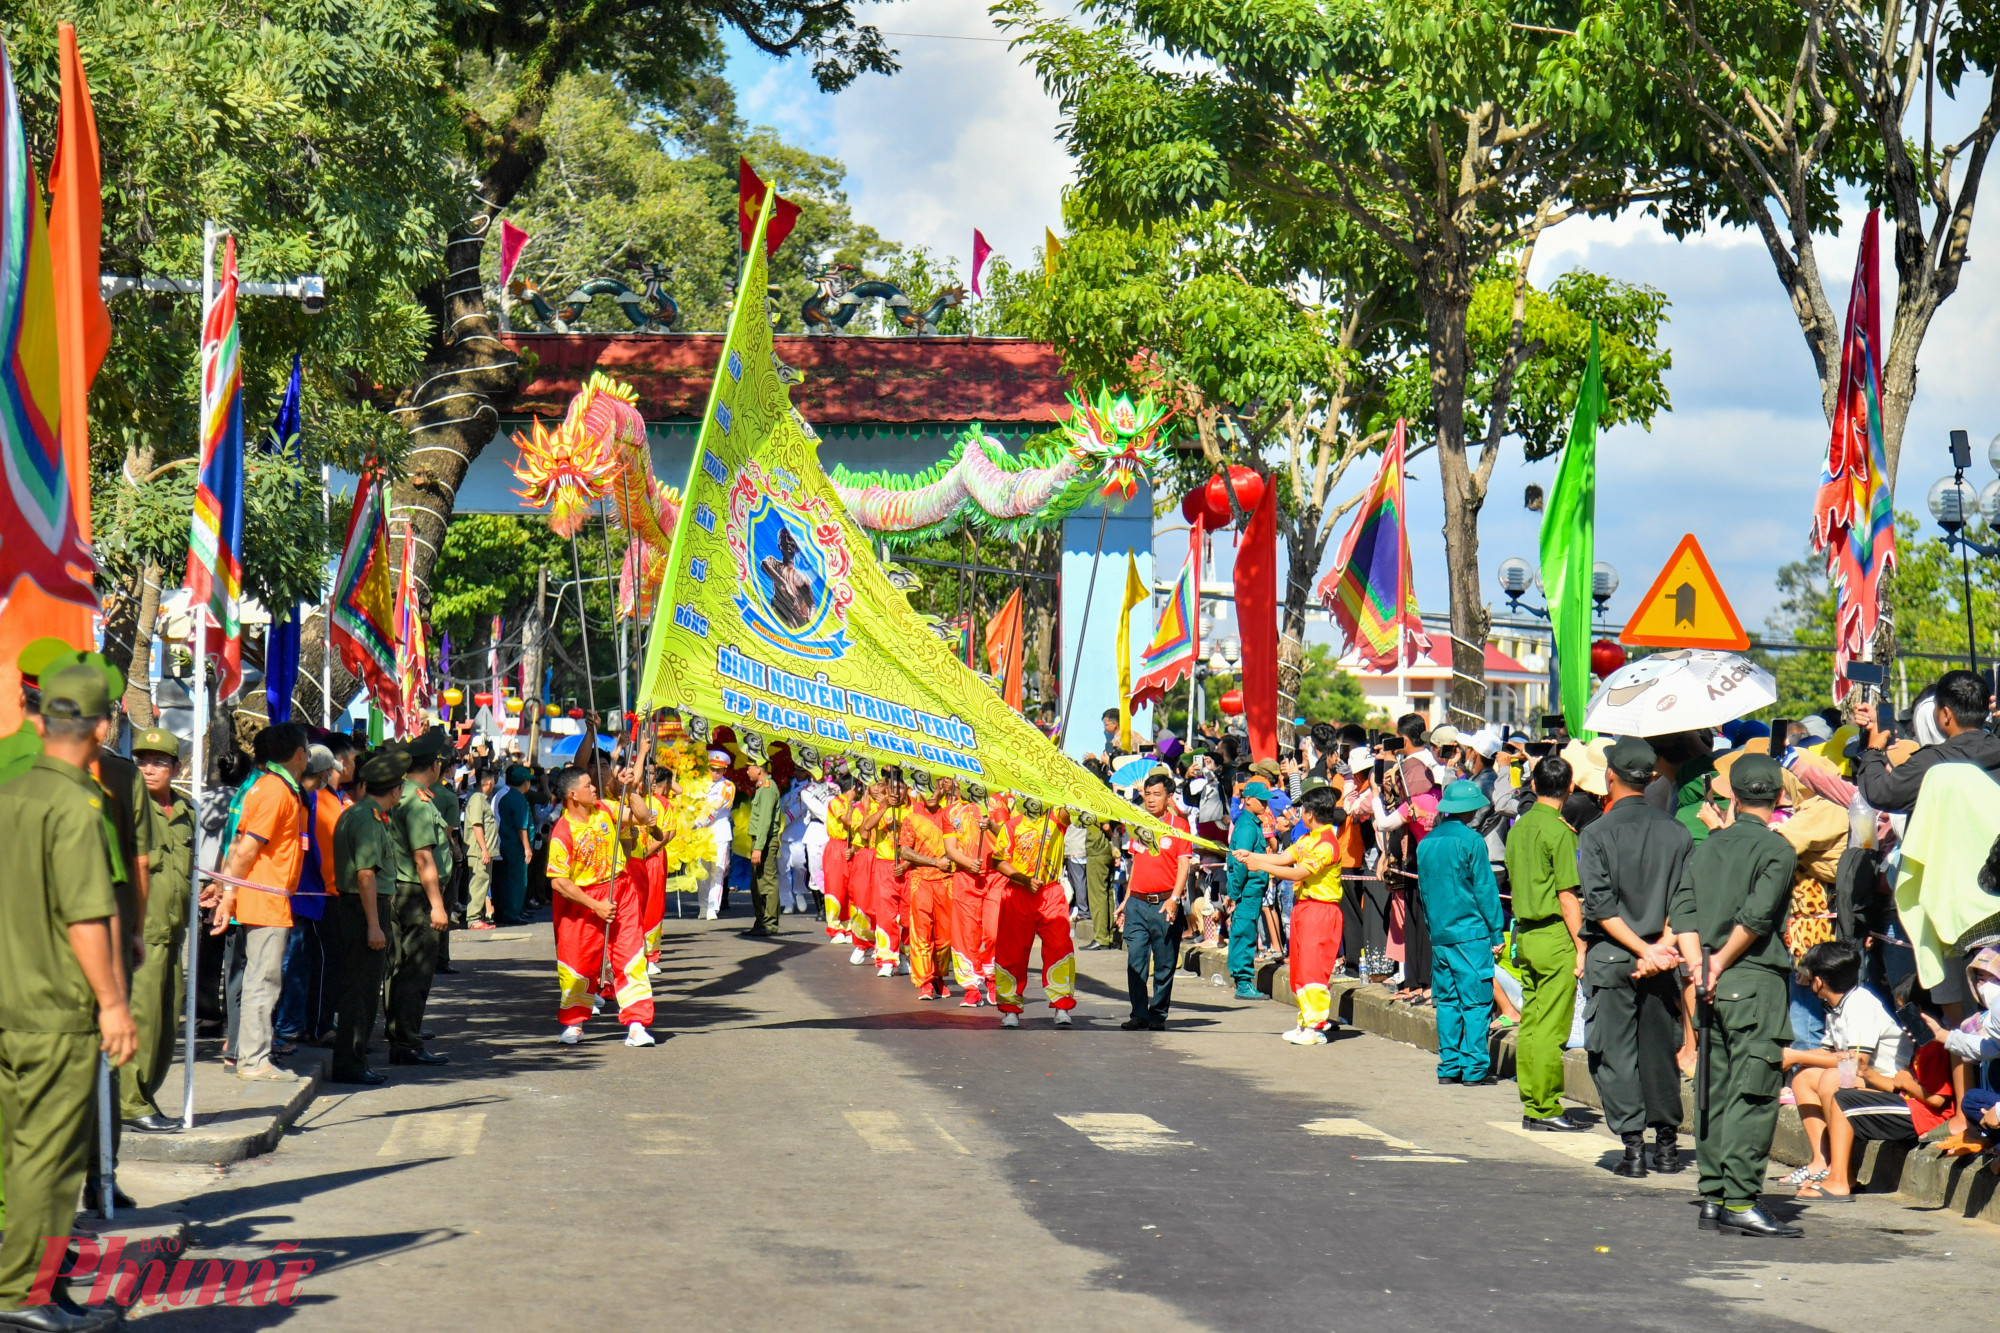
1416	941
1633	1032
1151	943
356	971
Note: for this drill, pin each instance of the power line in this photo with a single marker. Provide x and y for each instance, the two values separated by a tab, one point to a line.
944	36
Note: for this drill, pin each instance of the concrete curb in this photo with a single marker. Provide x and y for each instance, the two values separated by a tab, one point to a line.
233	1123
1924	1177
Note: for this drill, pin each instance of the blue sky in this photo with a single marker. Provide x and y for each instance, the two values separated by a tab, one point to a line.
965	137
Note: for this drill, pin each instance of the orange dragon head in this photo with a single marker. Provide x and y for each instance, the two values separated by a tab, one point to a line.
566	470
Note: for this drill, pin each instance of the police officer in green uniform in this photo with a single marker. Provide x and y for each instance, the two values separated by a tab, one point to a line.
364	859
61	996
156	986
766	827
417	913
1729	914
453	815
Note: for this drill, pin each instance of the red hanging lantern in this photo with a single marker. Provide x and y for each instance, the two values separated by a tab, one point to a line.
1194	508
1231	702
1249	491
483	699
1606	656
576	714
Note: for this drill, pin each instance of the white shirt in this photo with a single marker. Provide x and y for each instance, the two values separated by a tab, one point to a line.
1860	1022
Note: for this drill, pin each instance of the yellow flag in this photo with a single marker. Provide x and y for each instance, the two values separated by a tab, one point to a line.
774	617
1052	250
1135	593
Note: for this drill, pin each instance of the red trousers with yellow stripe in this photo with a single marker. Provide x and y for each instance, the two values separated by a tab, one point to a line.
833	882
1315	952
930	929
860	888
975	926
581	939
892	910
1025	915
652	876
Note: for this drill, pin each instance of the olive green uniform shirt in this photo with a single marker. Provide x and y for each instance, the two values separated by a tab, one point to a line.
415	825
364	839
131	807
1541	863
1741	876
170	870
452	815
764	817
18	750
55	872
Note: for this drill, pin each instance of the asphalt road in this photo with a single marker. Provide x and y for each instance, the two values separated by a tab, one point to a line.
809	1147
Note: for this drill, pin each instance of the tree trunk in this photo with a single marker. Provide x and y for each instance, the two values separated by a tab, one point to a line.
532	638
1446	299
1915	306
139	671
306	700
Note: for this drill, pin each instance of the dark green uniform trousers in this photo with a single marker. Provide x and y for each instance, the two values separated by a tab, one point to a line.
1548	1004
764	890
1097	886
1633	1034
156	1011
413	952
1245	908
1748	1026
360	971
47	1083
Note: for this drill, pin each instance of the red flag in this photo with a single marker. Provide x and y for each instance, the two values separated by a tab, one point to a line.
1005	648
980	250
750	200
512	241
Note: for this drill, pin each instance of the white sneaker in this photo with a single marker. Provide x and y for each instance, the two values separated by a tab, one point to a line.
1062	1018
1010	1020
859	956
571	1034
1306	1037
653	969
886	970
596	1006
636	1035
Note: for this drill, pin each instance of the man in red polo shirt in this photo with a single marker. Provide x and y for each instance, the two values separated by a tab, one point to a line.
1154	909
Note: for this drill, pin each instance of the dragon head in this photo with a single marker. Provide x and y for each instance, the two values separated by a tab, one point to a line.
567	470
1119	440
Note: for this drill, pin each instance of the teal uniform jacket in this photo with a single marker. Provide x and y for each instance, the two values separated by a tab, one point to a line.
1246	835
1455	880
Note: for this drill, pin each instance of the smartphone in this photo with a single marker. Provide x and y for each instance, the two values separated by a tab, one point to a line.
1911	1019
1781	732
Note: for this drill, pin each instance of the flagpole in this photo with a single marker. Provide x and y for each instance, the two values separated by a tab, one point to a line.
326	656
198	640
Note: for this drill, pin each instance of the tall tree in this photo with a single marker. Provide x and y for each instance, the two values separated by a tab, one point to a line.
1792	105
1456	132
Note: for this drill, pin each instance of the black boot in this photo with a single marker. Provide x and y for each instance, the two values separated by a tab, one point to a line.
1754	1221
1633	1164
1664	1153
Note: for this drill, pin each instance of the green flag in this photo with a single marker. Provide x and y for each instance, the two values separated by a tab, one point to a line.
776	619
1569	545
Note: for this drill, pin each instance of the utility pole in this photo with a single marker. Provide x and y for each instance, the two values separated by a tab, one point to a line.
531	662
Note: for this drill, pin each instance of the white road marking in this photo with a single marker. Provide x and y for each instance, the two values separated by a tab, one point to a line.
1340	1127
1583	1147
1407	1157
434	1134
668	1140
1125	1133
945	1134
880	1130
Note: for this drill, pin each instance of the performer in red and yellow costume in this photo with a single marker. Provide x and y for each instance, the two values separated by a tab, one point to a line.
866	814
596	907
646	813
890	902
1313	863
977	889
928	875
1028	849
833	863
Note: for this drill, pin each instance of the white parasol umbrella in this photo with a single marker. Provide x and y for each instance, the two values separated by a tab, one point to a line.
1687	689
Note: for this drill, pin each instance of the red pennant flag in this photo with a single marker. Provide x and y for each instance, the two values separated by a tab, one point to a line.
512	241
980	250
750	201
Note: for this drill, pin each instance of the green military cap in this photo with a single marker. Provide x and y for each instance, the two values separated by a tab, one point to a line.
1756	777
157	740
385	765
424	748
1632	759
517	774
39	654
114	679
1159	771
1256	791
75	690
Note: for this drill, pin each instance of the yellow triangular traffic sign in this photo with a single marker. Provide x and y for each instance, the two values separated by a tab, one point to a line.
1685	607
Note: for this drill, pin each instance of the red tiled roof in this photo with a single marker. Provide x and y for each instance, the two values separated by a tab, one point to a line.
848	380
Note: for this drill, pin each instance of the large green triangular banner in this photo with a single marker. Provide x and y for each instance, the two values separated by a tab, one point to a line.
775	618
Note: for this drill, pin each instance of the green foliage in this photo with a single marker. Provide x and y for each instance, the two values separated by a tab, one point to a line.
316	132
1005	309
1924	596
1326	692
285	536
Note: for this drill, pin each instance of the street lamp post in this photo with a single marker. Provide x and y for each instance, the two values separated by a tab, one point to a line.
1953	503
1516	574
